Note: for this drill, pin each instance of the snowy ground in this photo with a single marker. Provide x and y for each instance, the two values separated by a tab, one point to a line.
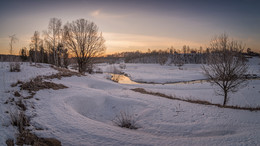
82	114
6	92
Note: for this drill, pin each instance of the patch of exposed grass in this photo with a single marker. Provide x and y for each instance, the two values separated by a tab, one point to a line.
17	94
63	72
20	104
203	102
125	120
9	142
15	84
19	120
37	84
15	67
28	138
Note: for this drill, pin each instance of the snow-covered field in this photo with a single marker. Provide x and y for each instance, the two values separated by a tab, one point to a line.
82	114
6	92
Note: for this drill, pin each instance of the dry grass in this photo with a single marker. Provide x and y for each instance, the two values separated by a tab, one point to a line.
17	83
15	67
17	94
28	138
20	104
125	120
63	72
19	120
9	142
37	84
25	137
203	102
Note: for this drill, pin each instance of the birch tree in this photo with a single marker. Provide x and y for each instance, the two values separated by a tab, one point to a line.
13	39
53	36
35	42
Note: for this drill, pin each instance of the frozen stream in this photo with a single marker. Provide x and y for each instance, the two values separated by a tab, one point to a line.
123	79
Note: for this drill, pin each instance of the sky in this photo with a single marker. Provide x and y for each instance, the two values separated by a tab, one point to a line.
130	25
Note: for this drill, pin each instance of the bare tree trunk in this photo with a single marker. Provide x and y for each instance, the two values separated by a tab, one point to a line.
49	55
54	56
13	39
35	54
80	67
35	50
54	49
35	41
225	98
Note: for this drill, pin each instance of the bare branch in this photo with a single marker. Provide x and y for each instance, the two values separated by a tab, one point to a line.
13	39
226	66
83	39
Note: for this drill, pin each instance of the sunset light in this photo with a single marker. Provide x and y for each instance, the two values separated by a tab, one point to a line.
137	25
130	72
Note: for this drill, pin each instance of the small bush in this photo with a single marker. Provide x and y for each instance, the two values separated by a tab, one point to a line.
9	142
37	84
125	120
21	104
15	84
28	138
114	70
17	94
98	71
15	67
19	119
122	66
89	68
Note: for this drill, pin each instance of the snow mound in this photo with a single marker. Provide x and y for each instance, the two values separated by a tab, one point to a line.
103	108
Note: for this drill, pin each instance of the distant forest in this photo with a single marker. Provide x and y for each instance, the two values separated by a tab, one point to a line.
163	57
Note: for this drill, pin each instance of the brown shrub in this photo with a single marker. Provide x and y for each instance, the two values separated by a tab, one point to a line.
17	94
20	104
15	84
15	67
38	84
125	120
9	142
28	138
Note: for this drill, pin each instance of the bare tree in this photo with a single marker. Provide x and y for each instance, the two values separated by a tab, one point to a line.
85	42
35	42
41	51
226	65
48	49
23	54
184	48
53	36
13	39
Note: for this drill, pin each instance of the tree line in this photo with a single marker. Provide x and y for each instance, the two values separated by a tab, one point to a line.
168	56
79	39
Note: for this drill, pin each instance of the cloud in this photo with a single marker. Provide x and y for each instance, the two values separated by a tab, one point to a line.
95	13
105	15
